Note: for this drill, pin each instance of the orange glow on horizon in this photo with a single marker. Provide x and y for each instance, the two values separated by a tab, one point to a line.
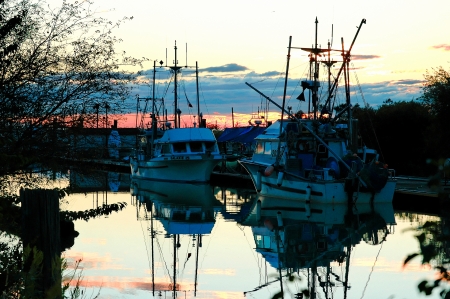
222	121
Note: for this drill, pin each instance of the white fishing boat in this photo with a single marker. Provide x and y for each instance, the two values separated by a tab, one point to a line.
317	157
181	154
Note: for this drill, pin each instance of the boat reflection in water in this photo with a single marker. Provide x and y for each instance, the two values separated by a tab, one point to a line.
306	241
186	212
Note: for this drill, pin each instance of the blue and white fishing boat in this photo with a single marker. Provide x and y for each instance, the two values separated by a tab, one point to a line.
316	157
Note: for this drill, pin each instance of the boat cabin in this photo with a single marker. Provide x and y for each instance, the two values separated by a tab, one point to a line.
301	152
186	141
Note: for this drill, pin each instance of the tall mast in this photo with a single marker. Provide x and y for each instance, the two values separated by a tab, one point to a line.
316	74
198	96
175	69
284	101
174	287
196	263
154	125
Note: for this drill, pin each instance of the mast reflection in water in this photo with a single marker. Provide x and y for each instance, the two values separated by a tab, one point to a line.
200	241
183	210
303	240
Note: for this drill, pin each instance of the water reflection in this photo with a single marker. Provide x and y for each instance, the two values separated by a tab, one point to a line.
82	180
307	241
183	210
311	242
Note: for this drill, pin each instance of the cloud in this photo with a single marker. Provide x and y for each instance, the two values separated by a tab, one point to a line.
220	93
365	57
227	68
445	47
408	82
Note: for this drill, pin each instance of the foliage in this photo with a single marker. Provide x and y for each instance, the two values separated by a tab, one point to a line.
18	280
105	209
400	132
432	241
61	65
73	276
434	238
436	97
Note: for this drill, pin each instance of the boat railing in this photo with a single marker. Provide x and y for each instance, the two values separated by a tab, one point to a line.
325	174
140	154
392	173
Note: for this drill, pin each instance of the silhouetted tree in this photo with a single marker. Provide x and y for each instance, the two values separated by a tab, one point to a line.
57	64
401	132
436	96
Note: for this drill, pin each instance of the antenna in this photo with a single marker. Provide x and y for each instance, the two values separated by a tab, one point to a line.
331	35
186	55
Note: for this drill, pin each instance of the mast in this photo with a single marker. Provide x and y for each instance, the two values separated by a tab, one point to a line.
315	75
175	69
174	287
153	253
347	91
284	101
198	96
196	263
346	59
153	117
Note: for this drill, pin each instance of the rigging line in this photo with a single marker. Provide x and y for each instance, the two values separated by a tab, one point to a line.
164	261
280	77
251	247
146	247
203	97
305	71
187	258
373	266
365	106
207	246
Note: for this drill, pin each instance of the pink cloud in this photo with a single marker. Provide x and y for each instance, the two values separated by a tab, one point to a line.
445	47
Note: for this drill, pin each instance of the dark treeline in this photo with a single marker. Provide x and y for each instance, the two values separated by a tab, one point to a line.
404	135
411	137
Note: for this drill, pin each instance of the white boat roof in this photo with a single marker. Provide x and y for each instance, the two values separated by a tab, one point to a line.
273	131
187	134
187	228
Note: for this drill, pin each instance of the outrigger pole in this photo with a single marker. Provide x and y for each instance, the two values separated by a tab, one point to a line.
346	58
284	100
307	128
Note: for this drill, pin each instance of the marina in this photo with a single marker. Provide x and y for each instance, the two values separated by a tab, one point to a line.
207	241
409	185
124	174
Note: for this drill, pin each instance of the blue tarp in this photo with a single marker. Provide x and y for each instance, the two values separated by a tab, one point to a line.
242	135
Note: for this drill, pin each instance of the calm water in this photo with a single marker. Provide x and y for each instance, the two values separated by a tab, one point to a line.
214	242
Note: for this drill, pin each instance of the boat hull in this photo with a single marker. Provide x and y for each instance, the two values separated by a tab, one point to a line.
291	186
181	169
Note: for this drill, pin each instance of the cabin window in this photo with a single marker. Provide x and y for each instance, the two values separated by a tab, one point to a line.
179	147
259	149
165	149
196	147
267	148
210	146
263	241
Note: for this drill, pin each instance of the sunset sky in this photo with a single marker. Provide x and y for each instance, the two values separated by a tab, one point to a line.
246	41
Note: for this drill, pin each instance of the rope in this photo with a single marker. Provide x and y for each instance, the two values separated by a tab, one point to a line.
368	116
373	266
165	264
146	247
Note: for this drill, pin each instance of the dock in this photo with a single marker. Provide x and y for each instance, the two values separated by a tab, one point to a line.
418	186
406	185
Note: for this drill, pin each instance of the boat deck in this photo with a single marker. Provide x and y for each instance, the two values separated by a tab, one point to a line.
406	185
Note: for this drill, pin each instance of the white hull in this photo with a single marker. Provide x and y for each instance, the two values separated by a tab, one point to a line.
196	168
321	191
